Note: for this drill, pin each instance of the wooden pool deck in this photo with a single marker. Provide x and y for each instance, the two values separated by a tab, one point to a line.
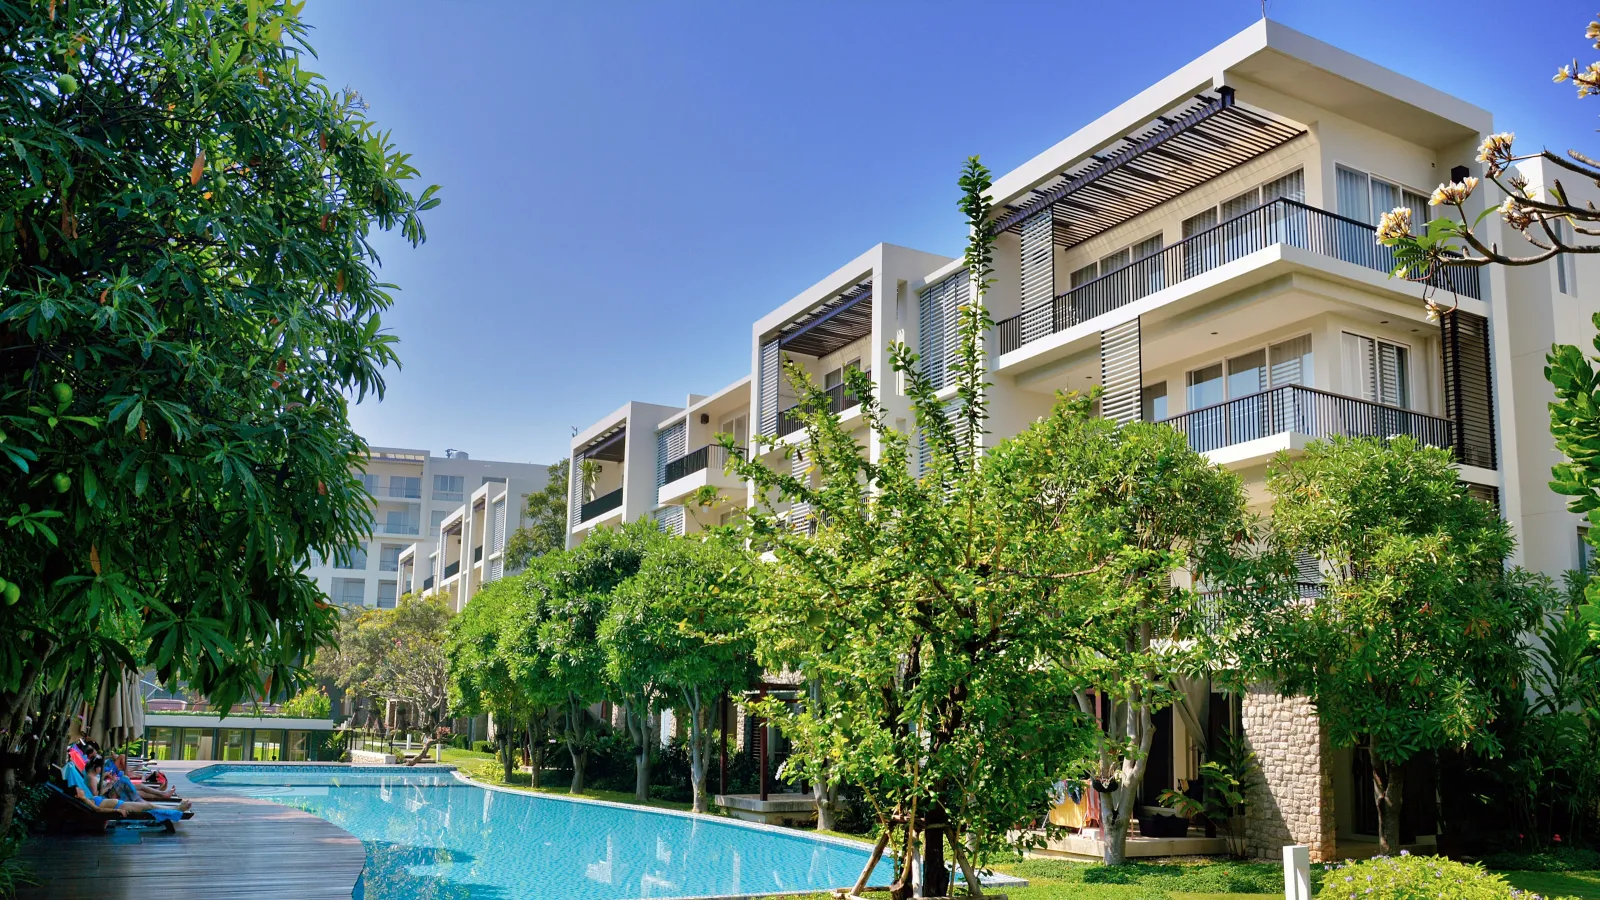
234	848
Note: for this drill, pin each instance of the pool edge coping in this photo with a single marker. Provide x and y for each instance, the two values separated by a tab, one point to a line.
685	814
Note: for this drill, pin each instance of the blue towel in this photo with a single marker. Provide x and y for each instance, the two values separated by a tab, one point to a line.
163	814
75	782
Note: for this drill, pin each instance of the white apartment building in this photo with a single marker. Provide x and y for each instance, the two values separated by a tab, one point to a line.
413	492
468	542
1204	253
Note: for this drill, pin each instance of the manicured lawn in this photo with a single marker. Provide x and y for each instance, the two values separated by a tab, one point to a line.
490	771
1583	885
456	757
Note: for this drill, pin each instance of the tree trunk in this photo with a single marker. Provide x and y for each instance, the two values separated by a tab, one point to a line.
641	774
423	753
827	796
1116	838
935	872
699	750
1387	784
637	718
580	759
508	750
8	797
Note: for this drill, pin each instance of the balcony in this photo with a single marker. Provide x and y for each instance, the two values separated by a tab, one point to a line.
450	571
1281	221
398	528
840	399
1306	411
694	470
600	505
404	491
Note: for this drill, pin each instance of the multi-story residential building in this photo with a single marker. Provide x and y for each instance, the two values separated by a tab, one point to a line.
412	494
617	465
1205	254
469	542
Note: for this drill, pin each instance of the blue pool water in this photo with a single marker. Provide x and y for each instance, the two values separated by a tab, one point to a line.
430	836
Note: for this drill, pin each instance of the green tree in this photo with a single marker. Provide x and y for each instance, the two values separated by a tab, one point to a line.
551	640
918	607
1418	633
311	703
479	667
397	656
678	628
547	529
1135	502
186	302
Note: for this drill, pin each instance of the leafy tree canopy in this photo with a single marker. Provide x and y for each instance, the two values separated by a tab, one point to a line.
547	529
678	630
1418	635
395	655
186	301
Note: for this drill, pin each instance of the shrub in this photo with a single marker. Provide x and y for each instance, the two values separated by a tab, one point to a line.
485	747
1407	877
311	703
1561	859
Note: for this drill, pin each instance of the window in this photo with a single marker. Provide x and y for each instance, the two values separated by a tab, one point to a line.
1154	408
389	557
1366	198
352	558
1377	370
434	518
406	486
449	487
386	594
738	426
399	522
1251	372
1566	263
1117	259
349	591
1205	387
370	482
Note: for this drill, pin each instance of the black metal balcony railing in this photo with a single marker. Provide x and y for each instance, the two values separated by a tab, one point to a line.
1282	221
451	570
477	554
600	505
1307	411
695	460
427	583
1205	615
840	399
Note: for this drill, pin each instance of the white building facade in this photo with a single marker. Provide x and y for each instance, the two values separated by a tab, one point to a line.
413	492
1205	254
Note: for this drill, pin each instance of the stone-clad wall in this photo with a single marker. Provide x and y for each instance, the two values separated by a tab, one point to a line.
1293	803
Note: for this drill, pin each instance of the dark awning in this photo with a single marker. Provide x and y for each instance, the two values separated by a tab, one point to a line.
608	446
843	318
1173	153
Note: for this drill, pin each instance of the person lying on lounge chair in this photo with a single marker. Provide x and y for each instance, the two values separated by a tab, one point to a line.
117	784
85	787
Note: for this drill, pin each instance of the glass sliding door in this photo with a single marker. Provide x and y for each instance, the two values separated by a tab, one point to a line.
231	741
162	743
296	747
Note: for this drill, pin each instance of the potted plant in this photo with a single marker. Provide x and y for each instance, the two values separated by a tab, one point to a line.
1228	775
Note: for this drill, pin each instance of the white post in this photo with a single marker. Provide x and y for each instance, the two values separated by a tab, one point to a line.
1297	872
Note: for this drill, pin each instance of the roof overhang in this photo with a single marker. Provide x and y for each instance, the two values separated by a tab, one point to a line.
840	320
1176	151
607	446
1270	62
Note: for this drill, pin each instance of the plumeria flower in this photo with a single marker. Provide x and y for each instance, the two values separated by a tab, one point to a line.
1495	152
1515	214
1454	193
1394	224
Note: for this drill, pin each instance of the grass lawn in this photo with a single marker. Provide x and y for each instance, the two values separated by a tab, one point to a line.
452	756
1583	885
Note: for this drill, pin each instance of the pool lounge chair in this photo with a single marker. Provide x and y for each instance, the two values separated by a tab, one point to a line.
64	812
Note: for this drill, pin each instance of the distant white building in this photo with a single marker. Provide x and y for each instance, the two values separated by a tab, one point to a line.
413	493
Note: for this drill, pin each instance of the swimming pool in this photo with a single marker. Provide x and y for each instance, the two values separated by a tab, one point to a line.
430	835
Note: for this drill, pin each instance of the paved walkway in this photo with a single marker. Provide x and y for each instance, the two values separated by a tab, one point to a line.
234	848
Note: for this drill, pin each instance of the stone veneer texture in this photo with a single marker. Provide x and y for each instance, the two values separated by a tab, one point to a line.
1293	802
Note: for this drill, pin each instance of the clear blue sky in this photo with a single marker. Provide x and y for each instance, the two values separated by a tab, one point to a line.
627	186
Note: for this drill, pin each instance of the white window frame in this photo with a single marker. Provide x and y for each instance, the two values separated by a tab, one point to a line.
1266	350
1412	393
1373	212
